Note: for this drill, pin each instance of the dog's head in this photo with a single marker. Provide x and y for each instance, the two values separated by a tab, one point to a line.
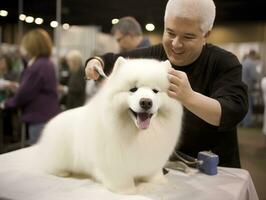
139	89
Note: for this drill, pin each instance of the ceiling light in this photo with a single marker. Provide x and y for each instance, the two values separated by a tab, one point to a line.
54	24
150	27
115	21
3	13
38	20
22	17
29	19
65	26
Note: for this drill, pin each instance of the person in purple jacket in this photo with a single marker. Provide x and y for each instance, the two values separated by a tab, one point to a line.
37	93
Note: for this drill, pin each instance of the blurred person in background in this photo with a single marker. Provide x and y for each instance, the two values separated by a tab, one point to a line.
18	64
8	79
8	85
63	80
250	77
263	88
37	92
205	78
129	35
75	88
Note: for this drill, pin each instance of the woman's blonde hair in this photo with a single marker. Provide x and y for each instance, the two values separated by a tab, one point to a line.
37	43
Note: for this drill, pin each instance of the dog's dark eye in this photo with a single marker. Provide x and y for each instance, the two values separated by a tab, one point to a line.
134	89
155	91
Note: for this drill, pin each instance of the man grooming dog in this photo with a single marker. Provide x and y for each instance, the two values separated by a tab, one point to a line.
205	79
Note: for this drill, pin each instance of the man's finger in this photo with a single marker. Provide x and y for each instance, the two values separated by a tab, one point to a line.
173	87
174	79
172	94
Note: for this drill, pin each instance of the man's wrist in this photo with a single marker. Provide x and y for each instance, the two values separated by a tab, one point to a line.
190	99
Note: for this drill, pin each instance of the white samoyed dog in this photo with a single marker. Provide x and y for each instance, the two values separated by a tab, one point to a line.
124	134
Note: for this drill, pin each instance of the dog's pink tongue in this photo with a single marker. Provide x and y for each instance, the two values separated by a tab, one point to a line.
143	120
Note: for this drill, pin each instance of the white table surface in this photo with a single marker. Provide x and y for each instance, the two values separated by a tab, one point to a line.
19	181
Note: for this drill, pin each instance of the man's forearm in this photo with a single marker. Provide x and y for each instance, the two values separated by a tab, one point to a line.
204	107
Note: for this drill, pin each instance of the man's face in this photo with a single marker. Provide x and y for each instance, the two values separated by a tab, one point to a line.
124	41
182	40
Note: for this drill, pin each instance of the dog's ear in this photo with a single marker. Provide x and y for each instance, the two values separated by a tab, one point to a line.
118	63
167	64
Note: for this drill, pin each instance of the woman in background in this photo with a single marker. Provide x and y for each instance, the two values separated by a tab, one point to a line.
37	94
75	89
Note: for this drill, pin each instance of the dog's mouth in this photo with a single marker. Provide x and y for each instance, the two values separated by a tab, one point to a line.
142	119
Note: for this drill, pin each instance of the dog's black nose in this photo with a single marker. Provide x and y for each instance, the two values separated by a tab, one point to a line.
145	103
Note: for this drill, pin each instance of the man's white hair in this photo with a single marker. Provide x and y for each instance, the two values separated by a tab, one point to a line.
202	10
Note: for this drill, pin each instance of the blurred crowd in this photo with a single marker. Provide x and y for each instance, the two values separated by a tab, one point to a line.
11	66
252	76
34	87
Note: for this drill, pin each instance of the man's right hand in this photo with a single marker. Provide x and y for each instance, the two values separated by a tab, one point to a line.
90	70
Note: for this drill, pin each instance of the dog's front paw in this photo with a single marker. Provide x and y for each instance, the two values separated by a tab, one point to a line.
121	185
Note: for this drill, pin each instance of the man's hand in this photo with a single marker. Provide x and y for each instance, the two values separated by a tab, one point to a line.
180	88
90	69
204	107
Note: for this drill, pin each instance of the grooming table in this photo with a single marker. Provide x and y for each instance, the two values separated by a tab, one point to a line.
20	181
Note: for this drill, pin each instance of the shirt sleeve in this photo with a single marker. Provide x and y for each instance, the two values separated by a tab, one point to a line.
28	89
230	91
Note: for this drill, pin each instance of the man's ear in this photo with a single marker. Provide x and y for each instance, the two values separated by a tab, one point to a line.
207	34
118	63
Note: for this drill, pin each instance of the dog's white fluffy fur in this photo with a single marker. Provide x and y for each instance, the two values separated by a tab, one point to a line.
108	139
